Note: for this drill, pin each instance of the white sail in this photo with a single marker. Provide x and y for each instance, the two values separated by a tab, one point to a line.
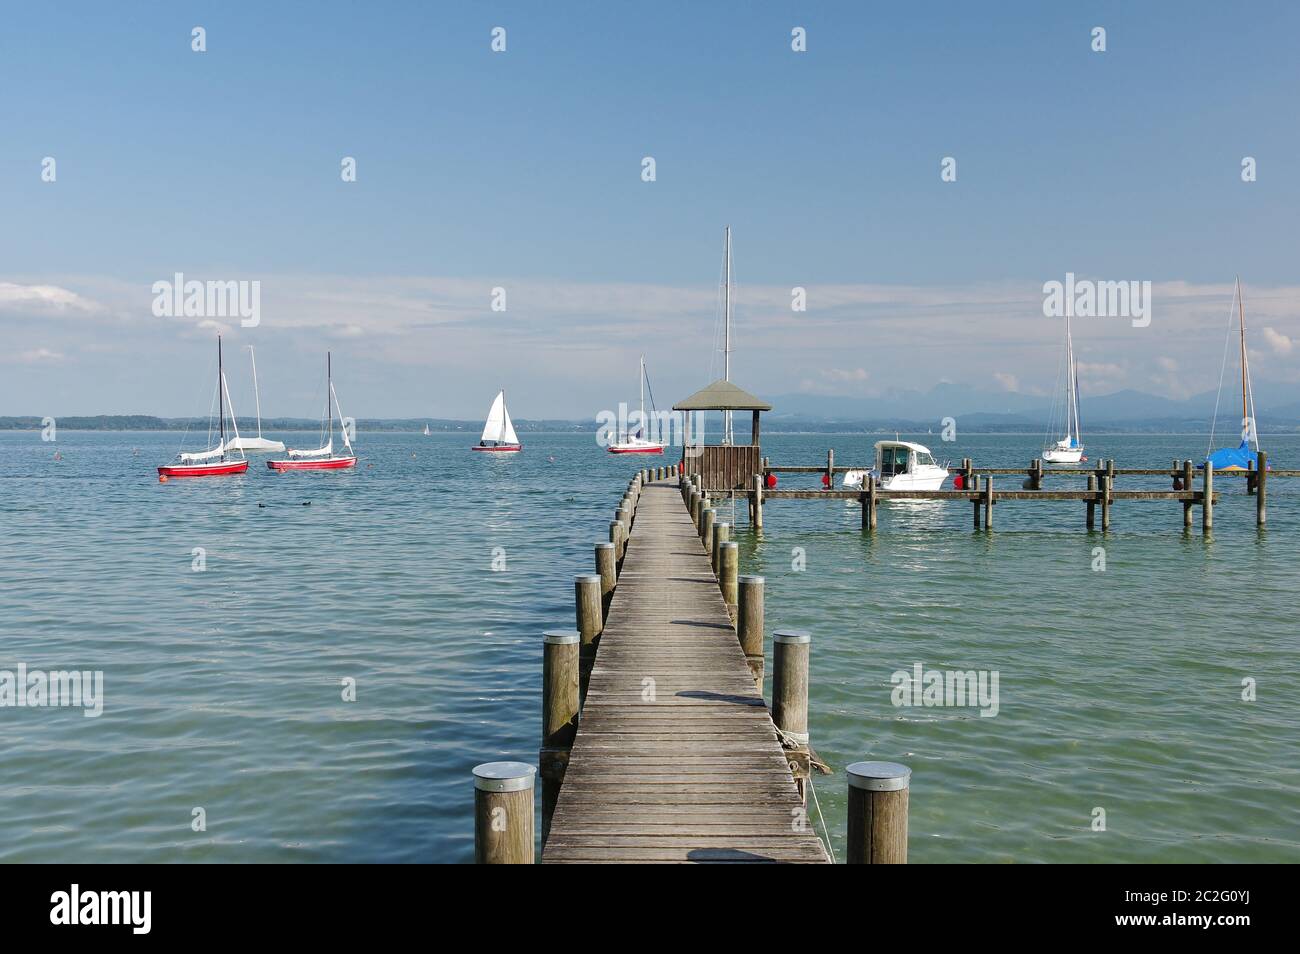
343	424
318	452
203	455
498	423
508	432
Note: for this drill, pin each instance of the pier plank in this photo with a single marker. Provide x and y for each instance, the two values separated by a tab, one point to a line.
676	759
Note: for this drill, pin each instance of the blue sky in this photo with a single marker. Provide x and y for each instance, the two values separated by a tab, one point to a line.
522	170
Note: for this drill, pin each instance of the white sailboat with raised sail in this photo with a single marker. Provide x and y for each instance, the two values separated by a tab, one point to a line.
1068	449
323	457
258	443
636	442
214	462
499	431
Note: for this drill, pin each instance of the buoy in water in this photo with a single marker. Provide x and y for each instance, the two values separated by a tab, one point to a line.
958	482
162	478
771	481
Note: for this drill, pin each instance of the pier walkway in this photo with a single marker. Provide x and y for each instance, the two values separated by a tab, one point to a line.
676	758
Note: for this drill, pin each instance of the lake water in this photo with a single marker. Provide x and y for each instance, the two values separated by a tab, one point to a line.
1119	689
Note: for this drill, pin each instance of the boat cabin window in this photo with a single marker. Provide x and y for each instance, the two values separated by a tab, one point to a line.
923	459
893	460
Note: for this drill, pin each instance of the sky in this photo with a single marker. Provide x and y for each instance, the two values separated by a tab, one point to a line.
522	170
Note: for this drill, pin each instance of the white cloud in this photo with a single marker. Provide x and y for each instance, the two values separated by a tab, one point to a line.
16	297
1008	382
38	356
1278	342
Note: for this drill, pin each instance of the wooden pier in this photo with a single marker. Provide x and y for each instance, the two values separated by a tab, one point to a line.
676	758
976	486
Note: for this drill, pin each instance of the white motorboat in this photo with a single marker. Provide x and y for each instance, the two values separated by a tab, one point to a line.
900	465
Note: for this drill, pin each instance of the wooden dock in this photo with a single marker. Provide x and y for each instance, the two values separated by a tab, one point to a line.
676	758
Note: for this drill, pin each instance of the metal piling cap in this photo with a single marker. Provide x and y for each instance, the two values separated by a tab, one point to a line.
504	776
587	578
561	637
792	636
879	776
606	545
751	579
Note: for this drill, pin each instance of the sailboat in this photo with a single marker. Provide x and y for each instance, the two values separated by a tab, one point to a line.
1069	449
1242	456
637	443
498	432
427	432
258	443
214	462
322	458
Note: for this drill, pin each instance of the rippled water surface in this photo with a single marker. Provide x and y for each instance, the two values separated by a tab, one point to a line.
1119	690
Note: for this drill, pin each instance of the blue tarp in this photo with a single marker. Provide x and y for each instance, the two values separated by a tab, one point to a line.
1232	458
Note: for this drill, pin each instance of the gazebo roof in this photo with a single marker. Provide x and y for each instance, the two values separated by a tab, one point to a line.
722	396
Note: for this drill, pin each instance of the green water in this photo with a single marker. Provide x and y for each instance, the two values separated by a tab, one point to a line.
1119	689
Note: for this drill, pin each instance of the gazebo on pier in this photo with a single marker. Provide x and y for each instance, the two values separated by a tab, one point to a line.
723	467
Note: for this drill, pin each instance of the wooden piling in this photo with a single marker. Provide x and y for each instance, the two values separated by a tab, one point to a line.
975	501
1187	485
877	823
721	535
1105	501
790	650
830	467
750	625
1261	489
560	702
729	561
706	531
1207	497
1092	504
616	538
873	502
607	568
503	813
591	623
988	503
758	502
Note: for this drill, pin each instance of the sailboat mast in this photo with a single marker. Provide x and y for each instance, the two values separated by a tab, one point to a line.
1241	317
1072	382
257	398
329	389
726	348
641	383
221	404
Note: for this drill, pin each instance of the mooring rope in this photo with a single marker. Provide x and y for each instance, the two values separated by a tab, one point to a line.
822	818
